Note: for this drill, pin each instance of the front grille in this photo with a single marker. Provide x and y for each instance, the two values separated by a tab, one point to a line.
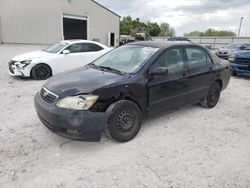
48	96
242	61
10	66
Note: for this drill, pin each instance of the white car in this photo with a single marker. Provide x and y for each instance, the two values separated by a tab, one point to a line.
66	55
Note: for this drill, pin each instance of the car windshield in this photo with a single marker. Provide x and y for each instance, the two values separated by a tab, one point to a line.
233	46
126	59
56	48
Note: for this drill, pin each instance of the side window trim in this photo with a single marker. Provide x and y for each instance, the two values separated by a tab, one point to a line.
211	59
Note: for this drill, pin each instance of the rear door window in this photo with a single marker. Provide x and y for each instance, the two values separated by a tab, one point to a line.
196	58
75	48
90	47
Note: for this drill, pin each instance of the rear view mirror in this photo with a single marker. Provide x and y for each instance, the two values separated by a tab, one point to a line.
65	52
158	71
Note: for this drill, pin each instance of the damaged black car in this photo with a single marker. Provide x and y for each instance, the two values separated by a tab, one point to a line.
116	92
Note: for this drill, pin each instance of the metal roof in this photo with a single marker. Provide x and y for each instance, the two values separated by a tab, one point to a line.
106	8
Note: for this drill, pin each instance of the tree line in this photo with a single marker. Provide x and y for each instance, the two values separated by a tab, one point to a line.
129	26
210	33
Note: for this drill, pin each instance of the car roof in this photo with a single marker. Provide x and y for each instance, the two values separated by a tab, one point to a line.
163	44
74	41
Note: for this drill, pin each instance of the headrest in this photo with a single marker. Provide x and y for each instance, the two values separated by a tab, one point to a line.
197	55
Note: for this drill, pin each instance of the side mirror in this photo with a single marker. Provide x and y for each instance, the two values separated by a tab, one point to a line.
65	52
158	71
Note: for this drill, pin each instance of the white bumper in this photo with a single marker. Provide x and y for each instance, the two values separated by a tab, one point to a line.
19	70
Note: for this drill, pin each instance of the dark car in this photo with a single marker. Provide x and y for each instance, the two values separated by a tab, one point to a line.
241	65
225	51
123	87
178	39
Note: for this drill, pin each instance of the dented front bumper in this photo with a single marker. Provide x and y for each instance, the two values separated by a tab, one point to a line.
77	125
18	69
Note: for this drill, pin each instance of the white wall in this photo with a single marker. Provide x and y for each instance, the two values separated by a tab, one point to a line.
40	21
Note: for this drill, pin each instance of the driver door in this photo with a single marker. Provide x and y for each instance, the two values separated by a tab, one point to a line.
72	60
170	90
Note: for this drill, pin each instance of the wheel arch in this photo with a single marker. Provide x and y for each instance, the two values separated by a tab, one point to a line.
220	82
125	98
132	99
41	64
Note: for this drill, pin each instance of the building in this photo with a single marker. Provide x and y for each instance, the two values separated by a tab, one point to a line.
50	21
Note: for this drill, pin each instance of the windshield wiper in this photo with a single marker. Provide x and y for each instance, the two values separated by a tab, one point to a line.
111	70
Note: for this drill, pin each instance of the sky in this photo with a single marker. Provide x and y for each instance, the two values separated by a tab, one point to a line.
187	15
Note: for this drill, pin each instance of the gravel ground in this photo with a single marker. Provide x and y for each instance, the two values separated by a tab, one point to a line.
189	147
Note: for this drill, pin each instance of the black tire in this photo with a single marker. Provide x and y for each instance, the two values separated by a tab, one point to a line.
125	121
213	96
41	72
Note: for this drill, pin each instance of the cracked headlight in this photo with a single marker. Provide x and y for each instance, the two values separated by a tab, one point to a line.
80	102
27	62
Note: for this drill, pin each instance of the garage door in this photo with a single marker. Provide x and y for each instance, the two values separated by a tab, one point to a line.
74	28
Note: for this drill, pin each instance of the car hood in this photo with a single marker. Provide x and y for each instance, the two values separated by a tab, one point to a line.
225	50
243	54
82	81
32	55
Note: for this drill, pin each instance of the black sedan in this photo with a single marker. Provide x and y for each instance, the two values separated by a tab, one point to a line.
120	89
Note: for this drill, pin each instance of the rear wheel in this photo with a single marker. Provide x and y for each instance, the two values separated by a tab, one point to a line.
212	97
41	72
125	121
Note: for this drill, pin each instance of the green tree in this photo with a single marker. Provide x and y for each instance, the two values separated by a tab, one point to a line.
154	29
166	30
128	26
210	33
125	25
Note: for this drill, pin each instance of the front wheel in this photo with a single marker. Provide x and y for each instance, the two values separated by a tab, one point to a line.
212	97
125	121
41	72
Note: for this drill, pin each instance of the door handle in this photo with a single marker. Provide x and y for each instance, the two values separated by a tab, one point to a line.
211	69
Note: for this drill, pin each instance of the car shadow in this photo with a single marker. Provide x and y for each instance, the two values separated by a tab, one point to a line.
72	145
17	78
169	114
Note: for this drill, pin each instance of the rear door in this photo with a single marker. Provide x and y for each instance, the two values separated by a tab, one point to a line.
168	91
200	73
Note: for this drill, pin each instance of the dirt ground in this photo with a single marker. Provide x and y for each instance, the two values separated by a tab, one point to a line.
190	147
